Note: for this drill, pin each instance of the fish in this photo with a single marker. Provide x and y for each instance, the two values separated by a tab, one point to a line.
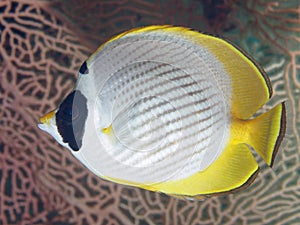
170	110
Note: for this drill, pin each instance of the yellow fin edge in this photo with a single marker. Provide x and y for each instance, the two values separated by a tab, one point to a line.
236	168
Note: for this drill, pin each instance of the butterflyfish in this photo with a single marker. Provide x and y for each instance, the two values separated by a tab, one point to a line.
170	110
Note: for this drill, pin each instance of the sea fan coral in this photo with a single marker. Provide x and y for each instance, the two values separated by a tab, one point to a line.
42	45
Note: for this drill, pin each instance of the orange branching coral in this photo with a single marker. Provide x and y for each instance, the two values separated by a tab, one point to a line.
42	45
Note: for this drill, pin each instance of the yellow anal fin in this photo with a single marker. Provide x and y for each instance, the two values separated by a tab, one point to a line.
236	168
267	131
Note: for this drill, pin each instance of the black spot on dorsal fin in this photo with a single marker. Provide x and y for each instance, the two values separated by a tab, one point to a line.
84	69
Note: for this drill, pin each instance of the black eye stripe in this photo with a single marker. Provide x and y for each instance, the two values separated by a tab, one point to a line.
84	69
70	119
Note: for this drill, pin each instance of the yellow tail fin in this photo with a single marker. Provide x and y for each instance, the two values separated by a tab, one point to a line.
267	131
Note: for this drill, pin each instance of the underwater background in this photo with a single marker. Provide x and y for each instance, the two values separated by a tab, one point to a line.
42	46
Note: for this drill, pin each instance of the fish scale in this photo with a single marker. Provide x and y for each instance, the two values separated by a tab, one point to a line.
157	89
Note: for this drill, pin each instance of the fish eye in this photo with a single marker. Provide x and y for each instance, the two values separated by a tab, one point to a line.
70	112
66	113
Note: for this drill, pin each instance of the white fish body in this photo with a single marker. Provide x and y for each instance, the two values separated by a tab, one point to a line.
160	104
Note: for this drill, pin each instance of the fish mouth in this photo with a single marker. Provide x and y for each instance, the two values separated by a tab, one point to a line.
46	119
42	126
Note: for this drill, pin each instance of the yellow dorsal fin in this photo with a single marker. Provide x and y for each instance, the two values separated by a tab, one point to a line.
251	87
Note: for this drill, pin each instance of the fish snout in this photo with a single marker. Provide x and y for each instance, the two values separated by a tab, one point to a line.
47	118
